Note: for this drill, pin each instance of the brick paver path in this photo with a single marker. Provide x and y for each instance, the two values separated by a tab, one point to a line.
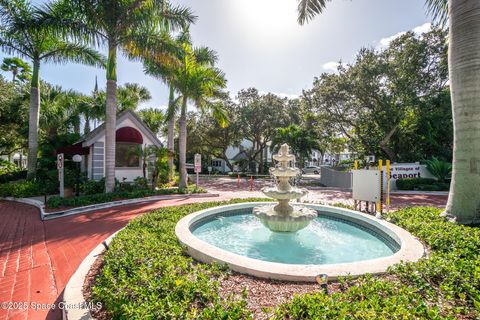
38	258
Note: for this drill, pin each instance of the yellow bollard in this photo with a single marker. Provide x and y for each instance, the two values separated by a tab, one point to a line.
380	169
355	165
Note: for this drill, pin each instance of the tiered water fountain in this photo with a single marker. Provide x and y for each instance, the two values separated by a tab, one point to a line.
283	217
294	242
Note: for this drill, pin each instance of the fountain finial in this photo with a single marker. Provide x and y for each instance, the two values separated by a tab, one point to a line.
283	217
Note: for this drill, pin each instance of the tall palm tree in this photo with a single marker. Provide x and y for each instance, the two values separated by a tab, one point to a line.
201	84
138	28
22	33
464	68
166	73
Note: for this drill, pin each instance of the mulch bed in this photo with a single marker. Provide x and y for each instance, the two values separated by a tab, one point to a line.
99	314
264	295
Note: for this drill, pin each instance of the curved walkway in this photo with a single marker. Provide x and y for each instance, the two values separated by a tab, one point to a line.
37	258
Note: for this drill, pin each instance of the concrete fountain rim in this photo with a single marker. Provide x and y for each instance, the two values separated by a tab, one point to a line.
411	249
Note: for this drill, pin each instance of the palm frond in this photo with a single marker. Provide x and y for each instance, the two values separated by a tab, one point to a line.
62	52
438	9
307	9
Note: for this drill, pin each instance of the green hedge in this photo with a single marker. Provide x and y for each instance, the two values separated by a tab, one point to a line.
24	188
423	184
57	201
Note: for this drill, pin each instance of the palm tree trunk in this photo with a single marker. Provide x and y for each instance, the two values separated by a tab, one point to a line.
86	128
111	119
464	65
182	145
171	135
33	121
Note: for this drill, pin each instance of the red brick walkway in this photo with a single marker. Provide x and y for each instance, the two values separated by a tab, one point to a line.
38	258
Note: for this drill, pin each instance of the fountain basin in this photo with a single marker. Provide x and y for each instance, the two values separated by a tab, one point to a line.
246	246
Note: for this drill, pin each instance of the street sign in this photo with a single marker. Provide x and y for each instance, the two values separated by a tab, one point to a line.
60	163
198	163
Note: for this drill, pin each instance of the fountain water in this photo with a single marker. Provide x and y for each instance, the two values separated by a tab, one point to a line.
283	217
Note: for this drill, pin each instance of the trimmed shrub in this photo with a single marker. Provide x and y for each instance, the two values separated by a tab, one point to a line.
13	176
85	200
413	183
24	189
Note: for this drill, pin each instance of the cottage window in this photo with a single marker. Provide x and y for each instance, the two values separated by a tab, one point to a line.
127	155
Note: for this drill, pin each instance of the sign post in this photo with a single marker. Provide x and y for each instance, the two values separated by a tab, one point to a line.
380	202
60	163
387	169
198	164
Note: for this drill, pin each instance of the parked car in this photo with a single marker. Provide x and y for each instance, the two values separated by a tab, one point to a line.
311	169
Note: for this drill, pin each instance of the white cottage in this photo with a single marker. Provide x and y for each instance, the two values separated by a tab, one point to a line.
131	133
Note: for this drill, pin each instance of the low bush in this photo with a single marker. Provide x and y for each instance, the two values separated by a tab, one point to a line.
417	184
147	275
24	189
56	201
13	176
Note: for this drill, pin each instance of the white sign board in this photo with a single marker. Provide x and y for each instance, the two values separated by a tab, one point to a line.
406	171
366	185
198	163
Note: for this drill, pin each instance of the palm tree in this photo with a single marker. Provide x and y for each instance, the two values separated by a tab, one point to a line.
138	28
166	73
199	83
464	65
22	33
20	69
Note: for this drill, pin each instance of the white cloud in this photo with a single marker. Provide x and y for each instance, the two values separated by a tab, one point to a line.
426	27
384	42
330	66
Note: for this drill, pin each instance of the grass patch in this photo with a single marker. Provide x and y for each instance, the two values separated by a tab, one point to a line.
146	275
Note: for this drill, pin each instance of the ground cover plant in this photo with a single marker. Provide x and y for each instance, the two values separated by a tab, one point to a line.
146	274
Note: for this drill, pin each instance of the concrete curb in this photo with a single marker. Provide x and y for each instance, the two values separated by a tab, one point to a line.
74	304
79	210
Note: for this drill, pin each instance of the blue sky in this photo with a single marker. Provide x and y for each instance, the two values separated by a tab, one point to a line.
260	44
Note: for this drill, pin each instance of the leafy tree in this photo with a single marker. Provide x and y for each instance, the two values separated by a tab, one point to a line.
383	100
20	70
22	33
13	117
138	28
301	141
212	139
260	116
464	63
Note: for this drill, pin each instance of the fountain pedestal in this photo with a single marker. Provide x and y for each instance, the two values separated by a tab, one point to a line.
283	217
